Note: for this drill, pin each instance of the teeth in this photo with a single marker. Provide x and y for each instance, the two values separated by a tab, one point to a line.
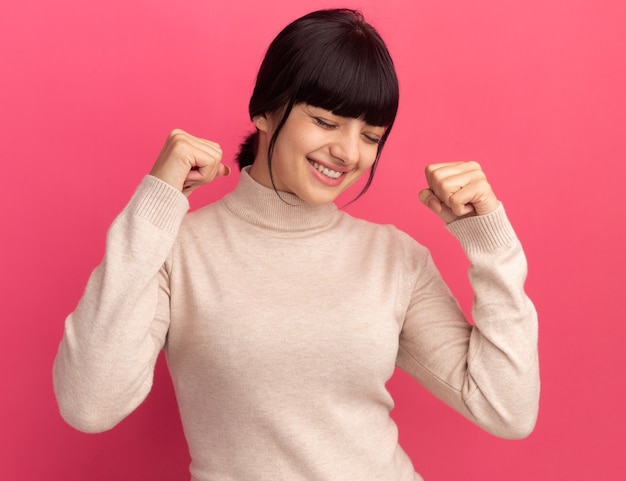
326	171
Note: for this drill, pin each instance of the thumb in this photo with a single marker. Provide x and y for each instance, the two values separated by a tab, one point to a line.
430	200
223	170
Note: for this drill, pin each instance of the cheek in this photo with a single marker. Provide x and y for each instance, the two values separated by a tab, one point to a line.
369	157
293	141
287	159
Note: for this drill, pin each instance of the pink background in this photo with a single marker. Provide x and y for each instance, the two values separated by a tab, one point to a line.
534	90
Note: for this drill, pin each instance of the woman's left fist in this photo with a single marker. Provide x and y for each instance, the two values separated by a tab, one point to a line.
458	189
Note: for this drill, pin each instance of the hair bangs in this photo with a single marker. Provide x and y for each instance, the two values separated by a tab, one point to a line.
351	80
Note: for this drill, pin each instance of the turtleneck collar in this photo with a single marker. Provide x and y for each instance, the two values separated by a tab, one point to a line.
262	207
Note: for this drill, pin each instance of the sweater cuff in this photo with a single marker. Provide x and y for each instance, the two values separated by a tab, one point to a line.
159	203
483	233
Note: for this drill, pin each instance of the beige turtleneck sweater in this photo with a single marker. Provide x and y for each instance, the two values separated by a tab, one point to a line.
282	322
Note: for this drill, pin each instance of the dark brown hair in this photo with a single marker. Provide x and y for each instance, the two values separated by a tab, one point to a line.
330	59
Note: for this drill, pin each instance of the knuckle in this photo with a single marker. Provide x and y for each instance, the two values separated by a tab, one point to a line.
177	137
474	165
430	171
447	184
436	178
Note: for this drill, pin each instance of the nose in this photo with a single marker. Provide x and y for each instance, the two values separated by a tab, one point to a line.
345	148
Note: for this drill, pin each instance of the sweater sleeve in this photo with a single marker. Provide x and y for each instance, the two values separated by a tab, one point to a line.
488	370
105	362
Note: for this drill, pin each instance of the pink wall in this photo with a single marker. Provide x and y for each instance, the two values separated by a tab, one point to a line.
534	90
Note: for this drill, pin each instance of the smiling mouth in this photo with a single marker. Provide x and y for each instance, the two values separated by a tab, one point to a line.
333	174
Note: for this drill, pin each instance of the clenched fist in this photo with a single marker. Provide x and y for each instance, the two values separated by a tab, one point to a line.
458	189
187	162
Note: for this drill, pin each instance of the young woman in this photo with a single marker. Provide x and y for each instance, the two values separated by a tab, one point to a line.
282	317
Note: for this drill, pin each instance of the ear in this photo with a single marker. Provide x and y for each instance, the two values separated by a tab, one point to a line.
261	122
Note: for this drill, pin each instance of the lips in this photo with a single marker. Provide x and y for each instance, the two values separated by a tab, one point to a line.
332	174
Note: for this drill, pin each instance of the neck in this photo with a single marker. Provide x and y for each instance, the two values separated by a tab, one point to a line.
282	211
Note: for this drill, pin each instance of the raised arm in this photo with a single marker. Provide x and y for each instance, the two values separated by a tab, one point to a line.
487	371
105	363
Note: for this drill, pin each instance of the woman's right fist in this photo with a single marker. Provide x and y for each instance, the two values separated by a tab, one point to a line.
187	162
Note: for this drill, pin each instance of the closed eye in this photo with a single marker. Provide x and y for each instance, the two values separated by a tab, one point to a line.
323	123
